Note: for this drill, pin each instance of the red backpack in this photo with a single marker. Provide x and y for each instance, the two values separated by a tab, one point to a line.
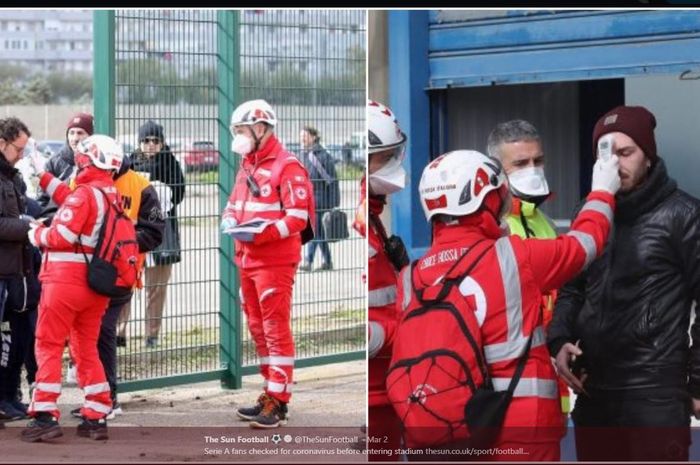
437	363
113	270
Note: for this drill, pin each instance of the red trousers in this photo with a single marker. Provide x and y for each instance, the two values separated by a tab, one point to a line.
266	298
70	311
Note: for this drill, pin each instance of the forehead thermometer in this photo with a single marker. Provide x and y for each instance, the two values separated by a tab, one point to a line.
605	147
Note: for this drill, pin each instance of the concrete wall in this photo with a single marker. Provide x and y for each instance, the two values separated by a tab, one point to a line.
44	121
336	124
378	60
676	105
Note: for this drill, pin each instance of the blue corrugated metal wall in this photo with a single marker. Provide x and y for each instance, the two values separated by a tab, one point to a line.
430	52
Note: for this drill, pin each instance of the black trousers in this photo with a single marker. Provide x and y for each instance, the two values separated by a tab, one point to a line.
17	349
107	342
619	428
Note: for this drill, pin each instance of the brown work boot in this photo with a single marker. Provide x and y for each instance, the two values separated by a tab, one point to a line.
272	414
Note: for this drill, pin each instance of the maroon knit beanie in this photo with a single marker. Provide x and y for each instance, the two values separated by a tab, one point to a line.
81	120
636	122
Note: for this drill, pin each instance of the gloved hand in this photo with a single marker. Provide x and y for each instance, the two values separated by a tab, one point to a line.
227	223
31	234
35	159
606	176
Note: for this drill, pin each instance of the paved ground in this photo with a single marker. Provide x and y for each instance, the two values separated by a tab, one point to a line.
172	424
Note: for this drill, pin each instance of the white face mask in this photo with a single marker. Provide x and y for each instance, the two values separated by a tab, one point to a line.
388	179
529	184
242	144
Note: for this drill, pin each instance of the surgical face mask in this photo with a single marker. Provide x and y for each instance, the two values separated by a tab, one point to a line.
242	144
388	179
529	184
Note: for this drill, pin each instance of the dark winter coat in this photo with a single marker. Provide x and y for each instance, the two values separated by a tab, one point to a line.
631	308
326	190
14	258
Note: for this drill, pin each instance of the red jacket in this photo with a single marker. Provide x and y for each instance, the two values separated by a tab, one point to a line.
290	207
79	217
383	317
505	289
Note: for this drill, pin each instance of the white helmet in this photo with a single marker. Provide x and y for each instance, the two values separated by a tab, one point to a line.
384	135
105	152
253	111
383	131
457	183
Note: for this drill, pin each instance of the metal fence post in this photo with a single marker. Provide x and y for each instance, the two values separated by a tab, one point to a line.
229	313
103	73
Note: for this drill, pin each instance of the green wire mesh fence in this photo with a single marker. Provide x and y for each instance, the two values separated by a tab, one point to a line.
168	68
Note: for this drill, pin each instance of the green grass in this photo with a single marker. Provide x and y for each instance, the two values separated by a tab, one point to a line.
350	172
197	349
208	177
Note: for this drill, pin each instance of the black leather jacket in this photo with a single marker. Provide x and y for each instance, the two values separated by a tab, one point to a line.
631	308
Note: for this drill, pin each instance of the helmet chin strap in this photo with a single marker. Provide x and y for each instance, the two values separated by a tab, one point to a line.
256	138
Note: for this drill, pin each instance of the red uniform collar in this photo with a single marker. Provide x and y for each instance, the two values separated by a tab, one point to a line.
91	174
269	150
466	229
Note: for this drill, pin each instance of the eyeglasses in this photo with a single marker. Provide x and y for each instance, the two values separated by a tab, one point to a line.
151	140
17	147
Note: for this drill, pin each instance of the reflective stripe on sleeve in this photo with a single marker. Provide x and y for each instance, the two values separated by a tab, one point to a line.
588	244
297	213
382	296
511	287
376	339
509	350
600	207
282	228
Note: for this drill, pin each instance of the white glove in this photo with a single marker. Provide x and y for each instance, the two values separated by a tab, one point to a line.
35	159
606	176
31	234
165	195
227	223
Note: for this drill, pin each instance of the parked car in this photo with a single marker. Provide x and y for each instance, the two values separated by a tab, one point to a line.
50	147
201	156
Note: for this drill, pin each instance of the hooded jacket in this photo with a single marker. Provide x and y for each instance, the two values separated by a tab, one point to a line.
631	309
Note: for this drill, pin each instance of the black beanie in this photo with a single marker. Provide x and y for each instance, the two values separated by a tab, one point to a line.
151	129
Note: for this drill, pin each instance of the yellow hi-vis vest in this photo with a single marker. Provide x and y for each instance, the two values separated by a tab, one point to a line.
130	185
526	220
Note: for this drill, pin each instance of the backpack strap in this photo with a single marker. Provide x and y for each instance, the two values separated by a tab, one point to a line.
520	368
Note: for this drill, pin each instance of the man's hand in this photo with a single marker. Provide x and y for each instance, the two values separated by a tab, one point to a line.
567	355
696	408
606	176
